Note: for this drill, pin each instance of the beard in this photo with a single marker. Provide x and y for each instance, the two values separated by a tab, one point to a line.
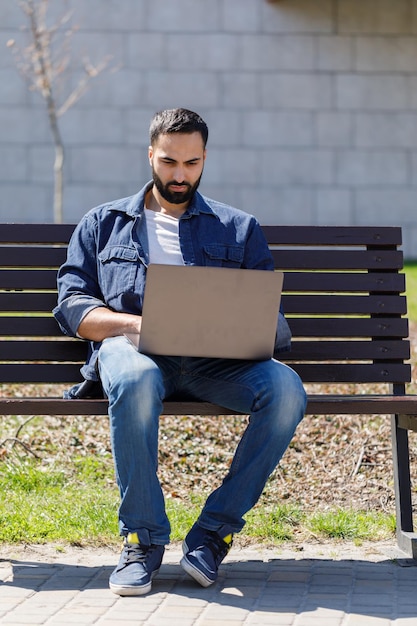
175	197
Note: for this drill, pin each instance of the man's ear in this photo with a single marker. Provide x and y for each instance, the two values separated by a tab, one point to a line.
150	154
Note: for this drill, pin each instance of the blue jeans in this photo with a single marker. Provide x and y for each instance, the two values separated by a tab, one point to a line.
270	392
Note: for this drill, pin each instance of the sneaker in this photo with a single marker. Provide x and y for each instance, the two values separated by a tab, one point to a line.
194	538
204	551
137	567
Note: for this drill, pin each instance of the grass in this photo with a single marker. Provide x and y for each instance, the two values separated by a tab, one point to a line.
411	280
52	504
350	524
77	505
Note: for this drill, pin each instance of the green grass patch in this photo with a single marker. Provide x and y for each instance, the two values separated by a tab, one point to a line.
351	524
79	507
289	522
44	503
276	524
411	289
182	515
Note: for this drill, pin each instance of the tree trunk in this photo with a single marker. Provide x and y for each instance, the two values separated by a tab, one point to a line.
58	182
59	160
43	69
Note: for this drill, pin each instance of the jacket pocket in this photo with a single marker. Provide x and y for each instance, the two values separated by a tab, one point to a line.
223	255
118	266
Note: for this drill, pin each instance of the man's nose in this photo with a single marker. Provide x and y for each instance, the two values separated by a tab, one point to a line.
179	175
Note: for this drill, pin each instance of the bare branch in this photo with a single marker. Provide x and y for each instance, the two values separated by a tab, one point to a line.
91	71
24	445
22	425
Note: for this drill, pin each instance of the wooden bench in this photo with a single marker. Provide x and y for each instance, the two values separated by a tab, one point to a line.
343	296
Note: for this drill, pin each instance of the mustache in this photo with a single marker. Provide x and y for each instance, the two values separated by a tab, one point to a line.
176	183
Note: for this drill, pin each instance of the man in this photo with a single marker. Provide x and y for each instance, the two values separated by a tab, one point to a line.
101	289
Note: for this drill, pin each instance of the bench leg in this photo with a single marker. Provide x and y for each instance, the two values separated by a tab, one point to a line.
406	537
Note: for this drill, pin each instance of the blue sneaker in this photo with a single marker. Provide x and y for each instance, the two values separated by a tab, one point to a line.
194	538
137	567
204	551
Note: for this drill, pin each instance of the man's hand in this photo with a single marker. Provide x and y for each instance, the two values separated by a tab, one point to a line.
101	323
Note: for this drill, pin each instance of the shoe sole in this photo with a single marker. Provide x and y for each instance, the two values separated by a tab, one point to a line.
134	590
195	573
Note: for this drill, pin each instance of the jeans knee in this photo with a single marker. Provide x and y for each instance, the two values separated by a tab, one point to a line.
295	388
124	371
287	395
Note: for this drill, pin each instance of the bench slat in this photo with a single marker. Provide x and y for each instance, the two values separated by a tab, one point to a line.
26	278
35	233
353	372
301	327
39	350
333	235
345	305
26	301
30	326
19	256
317	405
348	350
318	304
309	372
324	235
338	259
343	281
349	327
73	350
68	373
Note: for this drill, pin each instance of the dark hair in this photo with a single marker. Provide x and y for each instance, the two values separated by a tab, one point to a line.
177	121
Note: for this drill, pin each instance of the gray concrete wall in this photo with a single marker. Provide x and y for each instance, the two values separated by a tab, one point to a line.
311	107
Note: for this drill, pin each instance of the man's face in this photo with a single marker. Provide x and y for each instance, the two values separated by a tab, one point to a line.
177	161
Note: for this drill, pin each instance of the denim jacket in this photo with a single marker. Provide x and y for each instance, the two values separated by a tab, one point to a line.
108	257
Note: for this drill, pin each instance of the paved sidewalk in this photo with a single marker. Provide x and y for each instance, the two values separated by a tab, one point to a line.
321	585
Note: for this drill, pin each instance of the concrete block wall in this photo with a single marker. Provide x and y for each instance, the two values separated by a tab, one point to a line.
311	107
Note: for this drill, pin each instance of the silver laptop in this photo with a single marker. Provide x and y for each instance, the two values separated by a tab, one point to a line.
213	312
